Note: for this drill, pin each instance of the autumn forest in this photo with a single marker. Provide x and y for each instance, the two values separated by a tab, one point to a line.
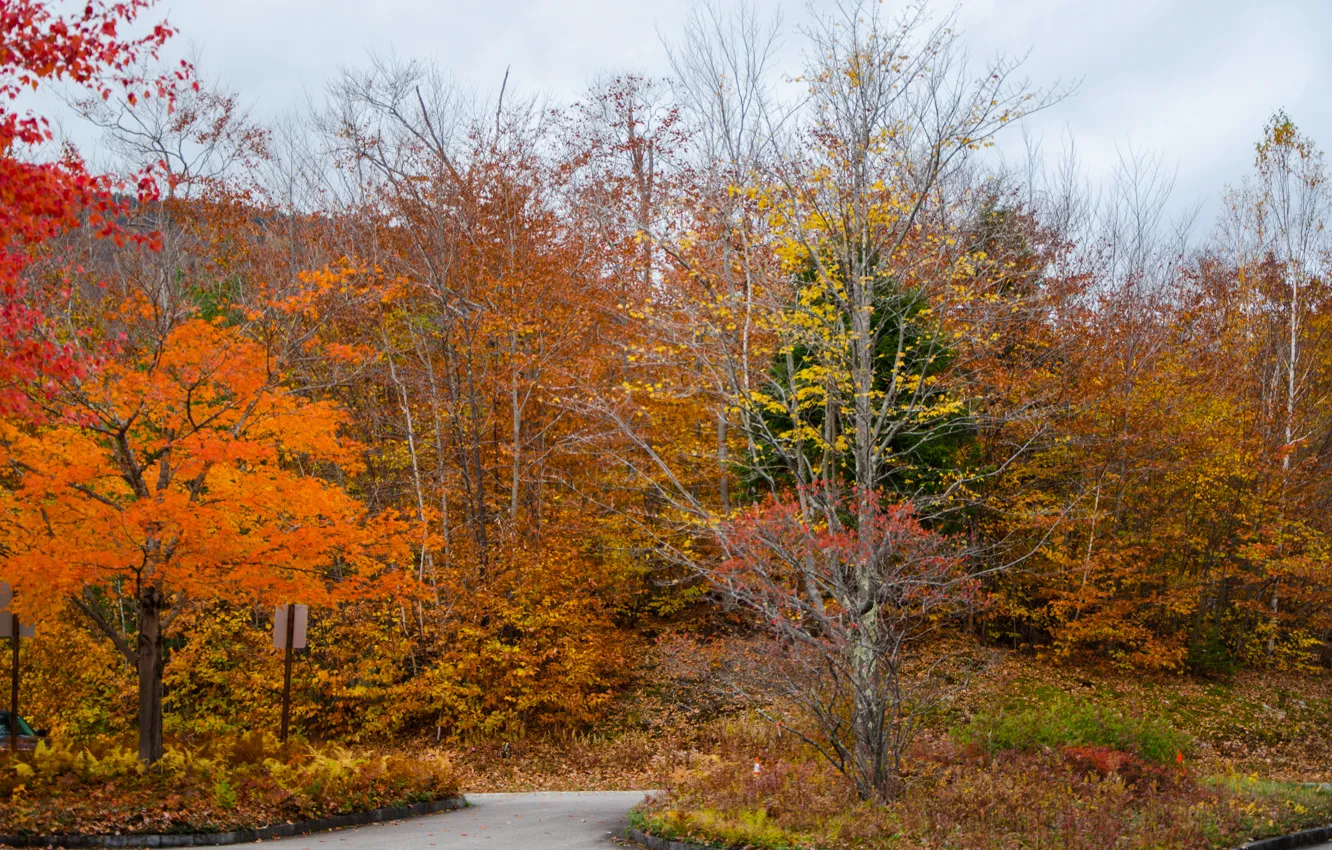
813	396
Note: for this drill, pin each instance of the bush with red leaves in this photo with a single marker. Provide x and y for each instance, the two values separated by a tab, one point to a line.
1104	761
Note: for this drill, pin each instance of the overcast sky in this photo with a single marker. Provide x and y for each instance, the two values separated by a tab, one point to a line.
1192	80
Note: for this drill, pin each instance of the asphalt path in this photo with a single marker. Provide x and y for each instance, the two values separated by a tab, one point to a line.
576	820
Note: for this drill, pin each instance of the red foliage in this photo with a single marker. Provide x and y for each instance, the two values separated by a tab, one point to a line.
1104	761
799	566
39	200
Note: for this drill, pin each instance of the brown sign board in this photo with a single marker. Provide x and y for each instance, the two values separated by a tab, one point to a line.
302	620
7	626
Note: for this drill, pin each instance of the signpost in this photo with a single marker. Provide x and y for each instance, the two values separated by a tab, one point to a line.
12	629
289	627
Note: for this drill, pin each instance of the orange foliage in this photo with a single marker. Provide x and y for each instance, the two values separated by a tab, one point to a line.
184	471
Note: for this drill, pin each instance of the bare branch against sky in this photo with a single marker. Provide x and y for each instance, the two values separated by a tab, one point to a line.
1192	81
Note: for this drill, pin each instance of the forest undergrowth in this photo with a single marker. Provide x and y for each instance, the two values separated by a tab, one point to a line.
1031	754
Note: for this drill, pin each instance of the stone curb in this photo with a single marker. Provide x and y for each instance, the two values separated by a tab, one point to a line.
1281	842
1292	841
238	836
653	842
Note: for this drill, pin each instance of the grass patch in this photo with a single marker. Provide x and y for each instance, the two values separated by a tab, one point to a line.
1065	722
1307	795
750	828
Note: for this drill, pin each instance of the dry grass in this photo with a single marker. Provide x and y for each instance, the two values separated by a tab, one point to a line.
1028	754
965	798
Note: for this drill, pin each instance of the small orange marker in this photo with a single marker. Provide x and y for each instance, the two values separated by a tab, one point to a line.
1179	757
758	768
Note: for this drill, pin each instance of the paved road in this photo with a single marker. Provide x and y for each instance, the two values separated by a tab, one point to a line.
575	820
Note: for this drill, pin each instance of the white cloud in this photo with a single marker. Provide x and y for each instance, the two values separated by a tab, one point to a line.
1192	79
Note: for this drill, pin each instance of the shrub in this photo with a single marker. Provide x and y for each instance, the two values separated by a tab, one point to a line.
1069	723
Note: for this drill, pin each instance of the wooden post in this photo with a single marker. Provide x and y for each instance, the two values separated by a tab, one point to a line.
286	673
14	686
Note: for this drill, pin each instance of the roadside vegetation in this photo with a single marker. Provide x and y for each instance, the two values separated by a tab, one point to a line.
206	785
1074	797
1034	754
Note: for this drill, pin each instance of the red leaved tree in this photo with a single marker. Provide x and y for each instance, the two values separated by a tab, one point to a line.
847	596
41	199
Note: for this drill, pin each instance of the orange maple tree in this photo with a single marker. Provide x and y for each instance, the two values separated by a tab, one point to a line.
183	471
